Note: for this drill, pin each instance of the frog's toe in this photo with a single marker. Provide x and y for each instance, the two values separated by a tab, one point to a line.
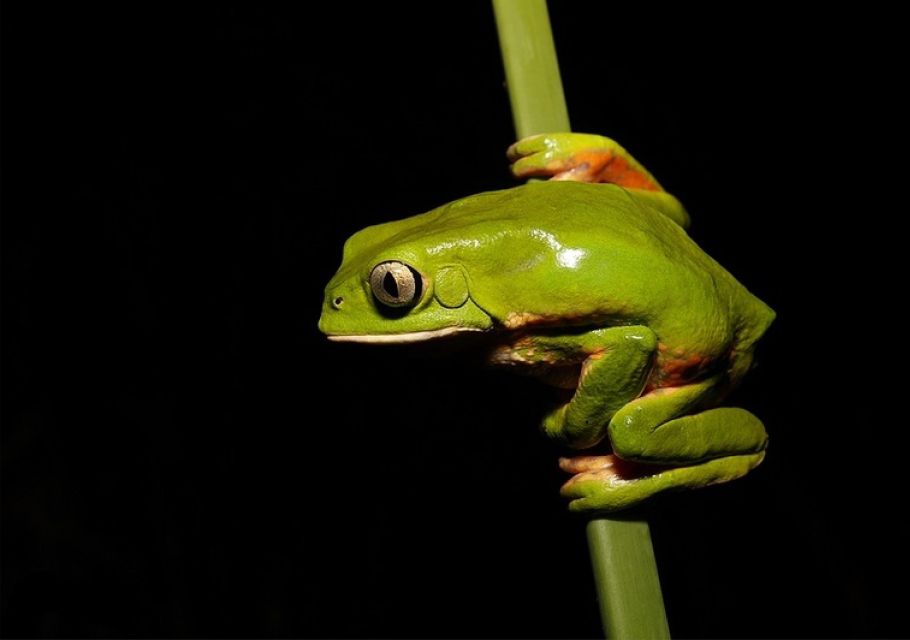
606	489
539	165
527	146
565	143
591	493
547	155
581	464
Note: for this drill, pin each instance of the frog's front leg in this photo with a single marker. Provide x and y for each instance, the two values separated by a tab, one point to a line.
582	157
618	361
661	447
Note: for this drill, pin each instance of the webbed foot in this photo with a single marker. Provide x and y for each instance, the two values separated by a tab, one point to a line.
609	483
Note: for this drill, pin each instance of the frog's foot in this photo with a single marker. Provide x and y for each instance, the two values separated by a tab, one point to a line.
609	483
578	157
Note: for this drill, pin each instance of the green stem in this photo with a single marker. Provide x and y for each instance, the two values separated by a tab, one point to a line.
625	571
532	72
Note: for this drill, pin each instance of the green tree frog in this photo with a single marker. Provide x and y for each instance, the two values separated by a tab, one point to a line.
590	282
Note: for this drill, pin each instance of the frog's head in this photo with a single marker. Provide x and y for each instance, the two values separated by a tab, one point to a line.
400	282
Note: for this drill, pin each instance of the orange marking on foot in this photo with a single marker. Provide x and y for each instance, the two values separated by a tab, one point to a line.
620	172
580	464
608	469
603	166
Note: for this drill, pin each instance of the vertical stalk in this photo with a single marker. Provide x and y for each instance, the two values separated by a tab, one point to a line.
532	72
625	571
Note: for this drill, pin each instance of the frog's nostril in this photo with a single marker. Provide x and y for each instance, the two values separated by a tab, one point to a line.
337	301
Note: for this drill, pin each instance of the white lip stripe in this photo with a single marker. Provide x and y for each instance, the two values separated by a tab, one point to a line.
401	338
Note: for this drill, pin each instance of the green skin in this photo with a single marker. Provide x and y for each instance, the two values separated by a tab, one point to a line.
594	287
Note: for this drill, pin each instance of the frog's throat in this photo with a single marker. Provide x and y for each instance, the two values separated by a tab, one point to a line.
403	338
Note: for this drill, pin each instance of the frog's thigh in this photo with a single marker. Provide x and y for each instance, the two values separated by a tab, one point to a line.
648	429
614	373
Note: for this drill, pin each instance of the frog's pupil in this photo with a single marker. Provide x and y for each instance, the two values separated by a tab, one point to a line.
390	285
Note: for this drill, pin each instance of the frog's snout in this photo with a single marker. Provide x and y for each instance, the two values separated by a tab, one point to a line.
332	304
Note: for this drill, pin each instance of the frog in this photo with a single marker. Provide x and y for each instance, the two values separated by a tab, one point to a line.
586	278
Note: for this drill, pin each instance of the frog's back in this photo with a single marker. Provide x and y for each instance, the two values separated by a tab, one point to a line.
601	254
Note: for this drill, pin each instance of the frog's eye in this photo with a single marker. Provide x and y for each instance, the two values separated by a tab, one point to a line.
395	284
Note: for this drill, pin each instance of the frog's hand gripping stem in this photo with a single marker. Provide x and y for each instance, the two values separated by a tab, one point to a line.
583	157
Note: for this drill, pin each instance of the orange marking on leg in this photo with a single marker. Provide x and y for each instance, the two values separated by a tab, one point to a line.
678	371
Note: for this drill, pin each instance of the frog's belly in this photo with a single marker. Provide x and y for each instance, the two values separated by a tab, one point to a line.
672	367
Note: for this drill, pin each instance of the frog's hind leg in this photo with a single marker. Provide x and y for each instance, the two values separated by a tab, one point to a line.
661	428
662	446
612	484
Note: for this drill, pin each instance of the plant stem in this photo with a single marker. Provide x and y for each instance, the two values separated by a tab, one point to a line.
625	571
532	72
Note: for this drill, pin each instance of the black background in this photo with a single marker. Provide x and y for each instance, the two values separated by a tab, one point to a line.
185	455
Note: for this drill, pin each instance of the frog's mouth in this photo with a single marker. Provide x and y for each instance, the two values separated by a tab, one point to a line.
403	338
